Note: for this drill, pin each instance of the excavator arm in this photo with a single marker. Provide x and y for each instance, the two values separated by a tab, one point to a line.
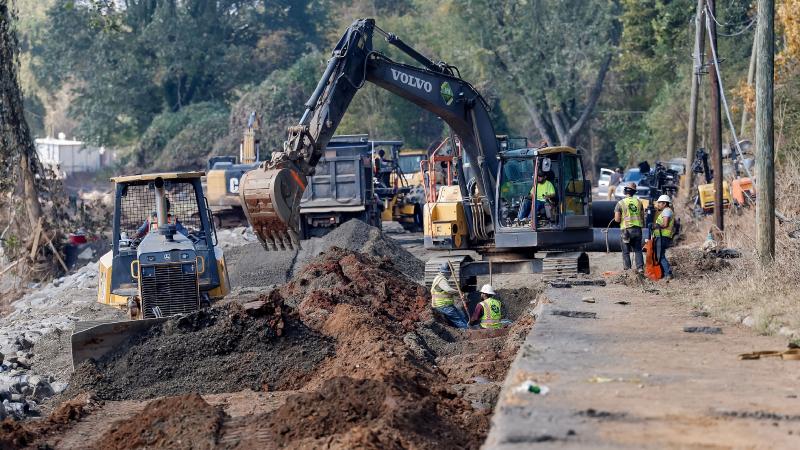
271	193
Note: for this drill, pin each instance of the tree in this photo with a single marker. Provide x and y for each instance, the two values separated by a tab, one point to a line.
134	59
552	55
17	150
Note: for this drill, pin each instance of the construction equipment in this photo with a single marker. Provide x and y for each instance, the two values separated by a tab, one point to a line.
479	217
224	176
164	258
342	188
400	191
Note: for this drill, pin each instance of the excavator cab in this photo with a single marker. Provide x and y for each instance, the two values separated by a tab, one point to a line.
543	198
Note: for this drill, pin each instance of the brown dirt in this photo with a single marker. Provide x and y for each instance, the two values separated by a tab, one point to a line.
14	435
688	262
182	422
345	277
394	378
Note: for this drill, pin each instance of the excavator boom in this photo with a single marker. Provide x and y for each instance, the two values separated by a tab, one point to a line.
271	193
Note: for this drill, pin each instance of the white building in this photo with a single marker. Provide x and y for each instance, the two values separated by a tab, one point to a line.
66	157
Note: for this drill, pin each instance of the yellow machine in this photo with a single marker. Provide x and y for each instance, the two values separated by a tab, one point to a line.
164	259
706	194
224	174
399	184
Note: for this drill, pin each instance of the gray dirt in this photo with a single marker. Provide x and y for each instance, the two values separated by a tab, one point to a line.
250	265
52	355
211	351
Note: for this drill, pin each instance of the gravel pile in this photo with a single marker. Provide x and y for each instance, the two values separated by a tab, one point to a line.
35	339
250	265
235	237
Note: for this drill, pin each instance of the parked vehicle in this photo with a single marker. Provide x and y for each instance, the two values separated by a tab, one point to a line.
602	182
631	175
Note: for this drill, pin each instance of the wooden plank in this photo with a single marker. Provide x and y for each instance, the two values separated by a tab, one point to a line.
37	232
55	252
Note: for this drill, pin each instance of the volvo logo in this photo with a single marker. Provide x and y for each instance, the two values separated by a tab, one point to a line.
411	80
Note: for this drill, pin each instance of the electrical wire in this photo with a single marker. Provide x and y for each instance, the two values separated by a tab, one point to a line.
742	31
715	59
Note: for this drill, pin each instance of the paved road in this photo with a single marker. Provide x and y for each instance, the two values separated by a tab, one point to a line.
632	378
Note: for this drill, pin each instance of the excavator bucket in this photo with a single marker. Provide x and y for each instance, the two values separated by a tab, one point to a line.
271	201
94	339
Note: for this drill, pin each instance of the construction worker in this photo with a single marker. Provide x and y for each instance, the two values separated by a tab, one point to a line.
544	192
442	298
153	219
663	229
629	213
488	311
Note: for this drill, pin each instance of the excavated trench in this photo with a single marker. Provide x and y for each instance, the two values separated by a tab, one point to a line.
344	355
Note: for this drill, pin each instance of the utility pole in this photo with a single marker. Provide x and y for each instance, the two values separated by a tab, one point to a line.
716	119
697	70
765	132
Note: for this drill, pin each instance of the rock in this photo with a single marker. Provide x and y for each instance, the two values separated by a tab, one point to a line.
42	391
749	321
58	387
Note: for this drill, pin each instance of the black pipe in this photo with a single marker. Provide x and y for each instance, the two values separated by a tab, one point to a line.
603	213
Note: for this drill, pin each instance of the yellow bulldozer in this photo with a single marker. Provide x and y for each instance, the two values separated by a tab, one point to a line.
164	259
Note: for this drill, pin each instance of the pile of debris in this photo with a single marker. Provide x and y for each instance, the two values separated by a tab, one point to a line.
34	339
251	266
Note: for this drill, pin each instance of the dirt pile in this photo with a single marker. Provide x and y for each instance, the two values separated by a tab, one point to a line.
688	262
344	277
250	265
224	349
372	367
182	422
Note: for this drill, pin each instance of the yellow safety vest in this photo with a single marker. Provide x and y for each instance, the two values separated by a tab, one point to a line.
439	297
491	313
631	208
667	229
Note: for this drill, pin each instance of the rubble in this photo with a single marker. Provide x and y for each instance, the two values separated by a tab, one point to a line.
34	340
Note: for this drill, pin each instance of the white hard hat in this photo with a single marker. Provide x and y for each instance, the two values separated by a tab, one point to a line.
487	289
664	198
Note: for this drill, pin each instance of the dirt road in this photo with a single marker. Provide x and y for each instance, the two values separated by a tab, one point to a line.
632	378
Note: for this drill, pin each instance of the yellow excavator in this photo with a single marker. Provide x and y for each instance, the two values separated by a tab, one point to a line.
484	215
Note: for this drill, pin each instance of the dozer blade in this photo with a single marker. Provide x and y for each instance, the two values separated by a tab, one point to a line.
271	201
94	339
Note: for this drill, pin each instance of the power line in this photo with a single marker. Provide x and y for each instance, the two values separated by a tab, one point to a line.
727	25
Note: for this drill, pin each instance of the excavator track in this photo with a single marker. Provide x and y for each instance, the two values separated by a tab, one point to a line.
271	200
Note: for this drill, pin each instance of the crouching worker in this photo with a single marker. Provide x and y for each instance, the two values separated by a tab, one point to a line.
487	313
443	296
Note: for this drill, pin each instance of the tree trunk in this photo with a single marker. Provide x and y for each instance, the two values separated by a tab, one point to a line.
15	136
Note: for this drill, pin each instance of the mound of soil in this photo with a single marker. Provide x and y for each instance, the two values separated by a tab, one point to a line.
217	350
341	276
350	413
182	422
687	262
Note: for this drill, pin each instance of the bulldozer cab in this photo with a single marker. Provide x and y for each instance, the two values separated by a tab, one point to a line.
543	198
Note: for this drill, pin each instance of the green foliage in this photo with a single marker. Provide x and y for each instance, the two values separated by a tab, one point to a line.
179	126
150	56
189	149
278	100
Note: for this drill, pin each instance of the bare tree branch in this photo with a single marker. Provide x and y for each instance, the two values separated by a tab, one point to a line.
591	102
